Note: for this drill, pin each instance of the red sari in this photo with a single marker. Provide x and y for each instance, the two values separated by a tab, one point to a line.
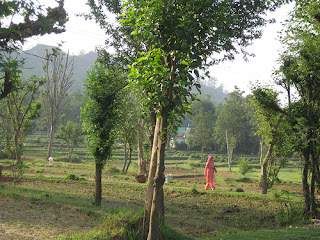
209	172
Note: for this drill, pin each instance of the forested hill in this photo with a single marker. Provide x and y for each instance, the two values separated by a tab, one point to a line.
34	63
34	59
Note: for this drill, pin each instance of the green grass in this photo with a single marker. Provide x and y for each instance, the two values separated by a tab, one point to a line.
290	234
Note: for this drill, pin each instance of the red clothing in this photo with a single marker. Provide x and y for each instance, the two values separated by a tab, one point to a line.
209	172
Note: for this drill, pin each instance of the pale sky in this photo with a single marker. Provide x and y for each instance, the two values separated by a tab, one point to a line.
82	35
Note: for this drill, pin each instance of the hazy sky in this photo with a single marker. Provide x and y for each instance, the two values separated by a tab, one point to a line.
84	36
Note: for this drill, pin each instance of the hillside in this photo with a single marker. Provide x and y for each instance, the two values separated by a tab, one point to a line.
34	59
34	62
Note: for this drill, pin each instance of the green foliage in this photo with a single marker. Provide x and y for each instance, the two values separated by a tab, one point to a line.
193	156
244	167
72	176
169	233
203	117
100	115
239	190
288	214
71	135
235	117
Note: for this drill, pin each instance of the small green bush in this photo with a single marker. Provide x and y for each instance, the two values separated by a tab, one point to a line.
239	190
244	167
71	176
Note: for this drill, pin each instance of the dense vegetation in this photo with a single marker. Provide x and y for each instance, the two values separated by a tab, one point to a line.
134	101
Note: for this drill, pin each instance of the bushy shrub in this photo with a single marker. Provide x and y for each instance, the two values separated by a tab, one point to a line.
72	176
244	167
239	190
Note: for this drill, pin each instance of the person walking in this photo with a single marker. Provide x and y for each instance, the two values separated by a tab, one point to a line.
209	173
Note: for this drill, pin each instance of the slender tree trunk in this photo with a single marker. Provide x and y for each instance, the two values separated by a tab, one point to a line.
130	157
142	166
261	149
125	158
313	205
51	136
98	194
264	171
305	184
151	175
161	135
201	153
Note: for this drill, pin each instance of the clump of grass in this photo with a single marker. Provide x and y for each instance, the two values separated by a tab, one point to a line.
121	223
170	234
194	190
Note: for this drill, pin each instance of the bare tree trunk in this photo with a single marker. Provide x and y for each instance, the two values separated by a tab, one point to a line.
264	172
313	205
98	194
161	135
305	184
201	153
142	166
51	136
130	157
125	158
261	148
151	175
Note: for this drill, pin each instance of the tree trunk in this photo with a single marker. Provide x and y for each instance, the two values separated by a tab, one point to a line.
201	153
264	172
261	143
130	157
98	194
305	184
125	158
313	205
50	144
142	166
161	135
151	175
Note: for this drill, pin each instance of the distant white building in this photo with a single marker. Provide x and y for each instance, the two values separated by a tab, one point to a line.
181	136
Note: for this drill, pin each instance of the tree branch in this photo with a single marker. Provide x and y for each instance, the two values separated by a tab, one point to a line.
52	23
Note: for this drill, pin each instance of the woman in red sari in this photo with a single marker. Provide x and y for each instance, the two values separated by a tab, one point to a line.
209	172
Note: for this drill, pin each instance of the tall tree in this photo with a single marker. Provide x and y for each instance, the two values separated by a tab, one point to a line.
203	118
100	115
234	120
20	20
275	130
23	107
128	127
58	70
300	71
168	43
71	135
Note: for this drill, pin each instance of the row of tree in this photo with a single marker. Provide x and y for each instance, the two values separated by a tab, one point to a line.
166	48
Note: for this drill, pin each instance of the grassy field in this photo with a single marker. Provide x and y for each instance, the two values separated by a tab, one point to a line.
46	204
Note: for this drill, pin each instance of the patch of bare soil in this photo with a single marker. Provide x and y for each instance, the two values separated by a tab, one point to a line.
20	219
